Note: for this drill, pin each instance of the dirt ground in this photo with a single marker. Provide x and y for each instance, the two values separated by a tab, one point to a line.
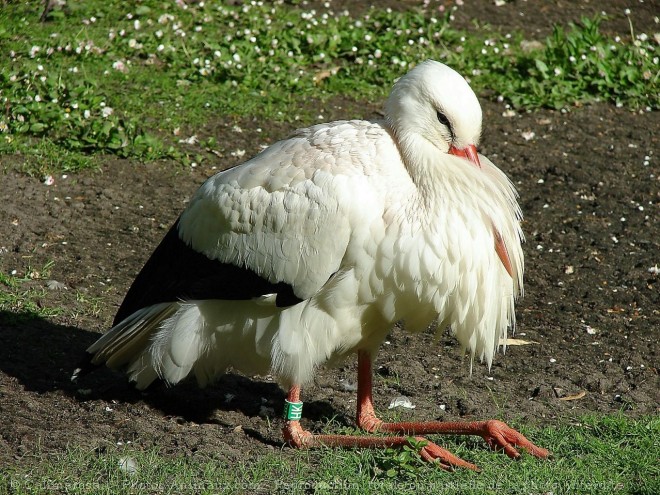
589	185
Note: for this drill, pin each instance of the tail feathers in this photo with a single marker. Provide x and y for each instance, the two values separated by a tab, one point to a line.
177	346
124	346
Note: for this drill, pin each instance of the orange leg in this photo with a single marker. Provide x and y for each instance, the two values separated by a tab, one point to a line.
498	435
298	437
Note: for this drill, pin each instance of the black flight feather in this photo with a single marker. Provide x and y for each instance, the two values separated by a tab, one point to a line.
176	272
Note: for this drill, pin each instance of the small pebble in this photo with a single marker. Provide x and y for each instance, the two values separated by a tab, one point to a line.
401	401
347	386
55	285
128	465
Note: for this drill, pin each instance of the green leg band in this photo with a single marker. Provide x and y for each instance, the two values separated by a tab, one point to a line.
292	410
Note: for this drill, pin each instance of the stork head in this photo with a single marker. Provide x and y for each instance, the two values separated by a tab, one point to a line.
435	103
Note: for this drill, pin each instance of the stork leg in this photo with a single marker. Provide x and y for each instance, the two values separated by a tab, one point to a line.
298	437
498	435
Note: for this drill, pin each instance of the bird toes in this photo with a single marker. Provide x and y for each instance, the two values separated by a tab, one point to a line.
500	436
432	452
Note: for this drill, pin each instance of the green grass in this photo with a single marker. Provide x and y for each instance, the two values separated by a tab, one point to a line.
597	455
21	297
92	81
25	296
118	78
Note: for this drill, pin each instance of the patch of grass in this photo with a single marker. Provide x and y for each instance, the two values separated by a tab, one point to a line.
580	65
21	298
598	454
43	155
89	305
401	463
121	78
25	304
26	295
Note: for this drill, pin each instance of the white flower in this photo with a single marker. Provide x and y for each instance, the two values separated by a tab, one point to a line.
120	66
165	18
191	140
107	111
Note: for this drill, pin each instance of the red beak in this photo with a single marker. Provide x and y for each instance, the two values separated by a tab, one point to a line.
469	153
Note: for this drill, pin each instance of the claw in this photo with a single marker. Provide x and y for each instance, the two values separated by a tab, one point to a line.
500	436
432	452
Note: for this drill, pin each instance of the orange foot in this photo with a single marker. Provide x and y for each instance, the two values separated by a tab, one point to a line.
298	437
500	436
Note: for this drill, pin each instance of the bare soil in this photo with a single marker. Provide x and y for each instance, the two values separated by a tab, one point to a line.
589	188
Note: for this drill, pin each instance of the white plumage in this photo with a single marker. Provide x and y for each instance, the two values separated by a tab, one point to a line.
368	223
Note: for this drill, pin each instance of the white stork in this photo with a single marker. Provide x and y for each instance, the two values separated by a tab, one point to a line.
313	249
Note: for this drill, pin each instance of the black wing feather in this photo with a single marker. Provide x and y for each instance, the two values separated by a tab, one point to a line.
177	272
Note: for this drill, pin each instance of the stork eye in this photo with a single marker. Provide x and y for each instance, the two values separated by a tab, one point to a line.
442	118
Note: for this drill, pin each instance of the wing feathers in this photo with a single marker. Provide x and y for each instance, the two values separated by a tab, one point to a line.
177	272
